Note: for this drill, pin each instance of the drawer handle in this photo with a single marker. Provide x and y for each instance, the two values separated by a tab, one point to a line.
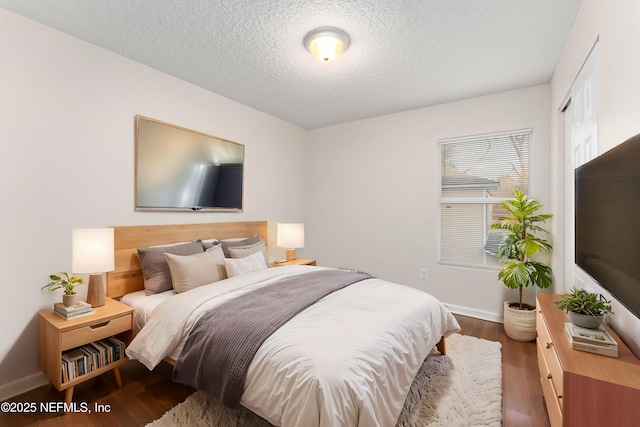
548	345
549	376
100	325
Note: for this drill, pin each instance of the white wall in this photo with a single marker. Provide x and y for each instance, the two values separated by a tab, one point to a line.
67	160
375	188
615	25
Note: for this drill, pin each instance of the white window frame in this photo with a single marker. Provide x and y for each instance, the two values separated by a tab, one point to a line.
475	200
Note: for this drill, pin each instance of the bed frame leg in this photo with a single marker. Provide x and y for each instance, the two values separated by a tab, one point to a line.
442	347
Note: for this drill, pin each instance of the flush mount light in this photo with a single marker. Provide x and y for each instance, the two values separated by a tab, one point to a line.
326	43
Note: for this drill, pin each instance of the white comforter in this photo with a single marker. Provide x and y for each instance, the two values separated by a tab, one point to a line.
348	360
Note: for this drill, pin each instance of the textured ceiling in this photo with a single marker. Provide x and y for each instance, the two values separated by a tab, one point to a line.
404	54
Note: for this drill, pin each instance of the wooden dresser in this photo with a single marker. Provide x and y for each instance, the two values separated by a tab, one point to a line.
581	388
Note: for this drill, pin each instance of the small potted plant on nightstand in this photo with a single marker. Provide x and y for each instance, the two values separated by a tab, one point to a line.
67	283
584	308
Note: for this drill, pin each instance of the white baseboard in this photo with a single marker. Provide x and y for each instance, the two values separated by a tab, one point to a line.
478	314
22	385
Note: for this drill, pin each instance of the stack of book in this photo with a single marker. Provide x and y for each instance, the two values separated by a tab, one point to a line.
79	309
592	340
82	360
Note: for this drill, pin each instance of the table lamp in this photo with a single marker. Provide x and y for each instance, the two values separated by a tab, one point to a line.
92	253
291	236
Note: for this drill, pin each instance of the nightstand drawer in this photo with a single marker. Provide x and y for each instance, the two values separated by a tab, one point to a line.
96	332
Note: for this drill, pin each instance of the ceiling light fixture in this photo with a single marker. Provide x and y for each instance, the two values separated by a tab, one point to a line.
326	43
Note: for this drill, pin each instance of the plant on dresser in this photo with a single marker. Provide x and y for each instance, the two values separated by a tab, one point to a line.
584	308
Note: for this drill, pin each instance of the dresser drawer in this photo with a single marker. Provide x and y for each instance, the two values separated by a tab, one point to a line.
547	347
87	334
551	395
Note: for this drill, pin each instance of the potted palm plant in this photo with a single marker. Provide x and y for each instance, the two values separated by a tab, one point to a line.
518	250
67	283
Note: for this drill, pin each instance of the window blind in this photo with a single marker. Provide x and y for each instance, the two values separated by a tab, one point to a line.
477	172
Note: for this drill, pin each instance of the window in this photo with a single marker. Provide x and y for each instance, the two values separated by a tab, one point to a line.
477	173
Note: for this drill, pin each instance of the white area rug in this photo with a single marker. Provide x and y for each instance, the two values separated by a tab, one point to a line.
463	388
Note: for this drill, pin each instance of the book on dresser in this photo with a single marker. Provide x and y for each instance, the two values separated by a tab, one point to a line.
592	340
79	309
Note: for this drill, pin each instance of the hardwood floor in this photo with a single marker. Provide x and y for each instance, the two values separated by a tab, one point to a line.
522	402
146	396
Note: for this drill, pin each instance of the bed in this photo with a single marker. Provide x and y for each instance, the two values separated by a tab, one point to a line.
347	360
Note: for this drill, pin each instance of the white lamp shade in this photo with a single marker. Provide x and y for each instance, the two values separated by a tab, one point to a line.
291	235
92	250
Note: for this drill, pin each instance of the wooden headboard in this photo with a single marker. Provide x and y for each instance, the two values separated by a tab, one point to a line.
127	275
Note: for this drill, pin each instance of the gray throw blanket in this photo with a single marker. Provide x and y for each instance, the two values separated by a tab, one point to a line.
224	341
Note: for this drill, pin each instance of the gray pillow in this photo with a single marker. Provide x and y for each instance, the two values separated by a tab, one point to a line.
226	244
209	243
155	269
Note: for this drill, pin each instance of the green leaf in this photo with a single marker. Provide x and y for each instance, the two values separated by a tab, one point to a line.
530	246
541	275
515	274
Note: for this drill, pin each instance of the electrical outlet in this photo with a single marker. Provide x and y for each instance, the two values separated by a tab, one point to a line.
423	274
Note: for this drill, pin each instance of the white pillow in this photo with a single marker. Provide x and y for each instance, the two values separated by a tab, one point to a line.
253	262
245	251
191	271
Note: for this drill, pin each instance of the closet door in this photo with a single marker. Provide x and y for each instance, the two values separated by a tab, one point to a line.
581	143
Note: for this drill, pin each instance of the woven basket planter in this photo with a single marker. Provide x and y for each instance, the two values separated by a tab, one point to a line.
520	325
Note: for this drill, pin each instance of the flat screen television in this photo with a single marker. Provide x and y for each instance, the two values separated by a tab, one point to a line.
182	169
607	221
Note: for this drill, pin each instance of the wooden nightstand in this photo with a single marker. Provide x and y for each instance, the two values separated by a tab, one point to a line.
57	335
297	261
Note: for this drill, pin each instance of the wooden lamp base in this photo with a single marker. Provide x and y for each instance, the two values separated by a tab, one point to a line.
291	254
95	293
